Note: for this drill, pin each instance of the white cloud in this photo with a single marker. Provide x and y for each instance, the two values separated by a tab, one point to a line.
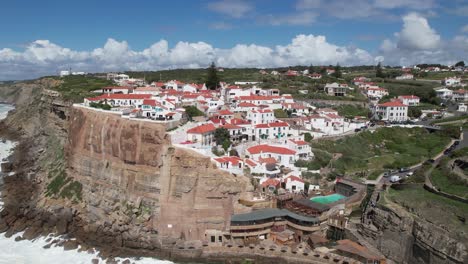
413	4
417	34
464	29
44	58
233	8
308	4
417	42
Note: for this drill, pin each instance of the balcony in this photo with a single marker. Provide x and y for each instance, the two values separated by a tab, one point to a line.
256	226
256	233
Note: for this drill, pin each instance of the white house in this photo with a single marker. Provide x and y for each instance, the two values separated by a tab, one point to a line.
273	130
231	164
336	89
284	156
147	90
409	100
462	107
118	100
118	89
377	92
444	93
315	76
174	85
294	184
301	147
452	81
203	134
392	111
244	107
261	116
406	76
460	95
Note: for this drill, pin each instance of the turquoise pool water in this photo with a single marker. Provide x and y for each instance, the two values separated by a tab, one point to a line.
327	199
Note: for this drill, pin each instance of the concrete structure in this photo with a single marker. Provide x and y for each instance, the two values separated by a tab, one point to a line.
409	100
444	93
392	111
336	89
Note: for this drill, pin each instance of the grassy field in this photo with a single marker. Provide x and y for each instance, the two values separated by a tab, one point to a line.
352	110
424	90
447	181
76	88
368	154
435	208
452	118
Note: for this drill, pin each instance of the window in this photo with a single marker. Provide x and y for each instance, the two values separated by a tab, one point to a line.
213	239
220	238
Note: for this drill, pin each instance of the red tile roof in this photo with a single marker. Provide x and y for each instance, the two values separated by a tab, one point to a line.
294	178
262	111
118	87
245	104
267	160
238	121
231	159
271	182
225	112
270	149
202	129
275	124
299	142
396	103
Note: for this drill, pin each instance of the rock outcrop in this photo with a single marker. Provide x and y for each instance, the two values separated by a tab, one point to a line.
405	238
130	171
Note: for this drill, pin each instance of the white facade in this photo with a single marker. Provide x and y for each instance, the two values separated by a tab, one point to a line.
444	93
376	92
294	184
409	100
406	76
392	111
452	81
264	116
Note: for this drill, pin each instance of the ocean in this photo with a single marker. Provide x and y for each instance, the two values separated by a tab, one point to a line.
25	251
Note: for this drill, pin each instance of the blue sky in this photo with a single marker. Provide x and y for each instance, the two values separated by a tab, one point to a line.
74	30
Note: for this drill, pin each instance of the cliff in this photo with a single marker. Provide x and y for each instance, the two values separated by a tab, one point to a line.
129	167
404	238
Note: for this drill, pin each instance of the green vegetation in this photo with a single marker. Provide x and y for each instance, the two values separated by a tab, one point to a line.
350	111
435	208
450	119
369	153
414	112
378	72
212	80
446	181
76	88
320	160
308	137
422	89
101	106
192	111
280	113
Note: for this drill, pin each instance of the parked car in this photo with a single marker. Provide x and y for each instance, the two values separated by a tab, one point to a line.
357	130
409	174
372	125
456	143
395	178
429	161
403	170
386	174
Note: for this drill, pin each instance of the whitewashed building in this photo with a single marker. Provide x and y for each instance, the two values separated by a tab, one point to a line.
392	111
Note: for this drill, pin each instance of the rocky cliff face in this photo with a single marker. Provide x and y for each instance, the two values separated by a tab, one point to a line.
129	170
408	239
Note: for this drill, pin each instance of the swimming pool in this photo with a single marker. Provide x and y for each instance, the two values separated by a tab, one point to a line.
327	199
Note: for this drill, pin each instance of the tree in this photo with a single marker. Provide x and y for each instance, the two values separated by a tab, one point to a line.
414	112
460	64
280	113
308	137
226	144
192	111
378	72
337	73
220	135
212	79
311	69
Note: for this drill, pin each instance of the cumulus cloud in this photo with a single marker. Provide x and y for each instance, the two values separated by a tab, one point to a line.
464	29
417	34
43	57
233	8
414	4
417	42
